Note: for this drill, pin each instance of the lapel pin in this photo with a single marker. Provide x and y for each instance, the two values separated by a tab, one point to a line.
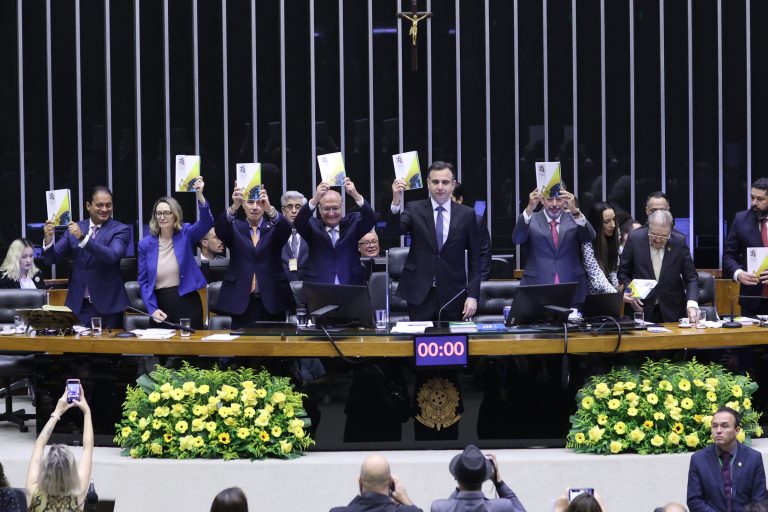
738	464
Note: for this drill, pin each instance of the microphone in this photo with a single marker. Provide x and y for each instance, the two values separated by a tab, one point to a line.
166	322
440	313
732	324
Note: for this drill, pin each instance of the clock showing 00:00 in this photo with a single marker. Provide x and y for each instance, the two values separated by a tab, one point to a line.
440	350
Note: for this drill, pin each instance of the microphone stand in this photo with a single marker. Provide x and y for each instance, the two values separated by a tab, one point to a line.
732	324
440	312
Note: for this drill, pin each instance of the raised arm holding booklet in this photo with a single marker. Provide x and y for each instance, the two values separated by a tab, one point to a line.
548	178
187	171
332	169
59	206
249	178
407	169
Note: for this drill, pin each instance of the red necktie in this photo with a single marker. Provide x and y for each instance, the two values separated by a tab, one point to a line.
764	236
556	240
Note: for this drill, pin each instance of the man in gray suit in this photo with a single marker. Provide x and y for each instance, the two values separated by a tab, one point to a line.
553	238
470	469
380	491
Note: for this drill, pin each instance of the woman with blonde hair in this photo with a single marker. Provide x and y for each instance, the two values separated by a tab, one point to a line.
55	480
18	269
168	273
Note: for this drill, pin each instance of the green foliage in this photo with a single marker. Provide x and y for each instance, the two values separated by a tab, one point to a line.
662	407
229	414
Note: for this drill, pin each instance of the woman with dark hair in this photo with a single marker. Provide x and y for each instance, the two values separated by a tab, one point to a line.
581	503
601	256
230	500
168	273
18	269
55	480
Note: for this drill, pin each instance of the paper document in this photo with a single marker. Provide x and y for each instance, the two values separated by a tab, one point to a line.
410	327
548	178
59	205
187	171
757	259
332	169
249	178
162	334
221	337
407	169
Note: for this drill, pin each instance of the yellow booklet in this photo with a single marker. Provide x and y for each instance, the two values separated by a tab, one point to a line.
249	177
407	169
187	171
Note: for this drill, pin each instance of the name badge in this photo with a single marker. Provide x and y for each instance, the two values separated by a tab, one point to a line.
293	264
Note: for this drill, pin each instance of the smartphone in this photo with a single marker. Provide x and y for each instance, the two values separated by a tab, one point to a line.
391	487
572	493
73	390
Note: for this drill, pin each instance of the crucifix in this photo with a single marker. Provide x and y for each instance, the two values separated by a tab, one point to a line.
414	16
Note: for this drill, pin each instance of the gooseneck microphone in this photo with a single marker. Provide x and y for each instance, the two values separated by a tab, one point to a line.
165	322
440	312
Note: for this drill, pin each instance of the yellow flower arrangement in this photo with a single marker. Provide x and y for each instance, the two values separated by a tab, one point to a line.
670	412
214	413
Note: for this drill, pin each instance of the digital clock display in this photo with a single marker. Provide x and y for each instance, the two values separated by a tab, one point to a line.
440	350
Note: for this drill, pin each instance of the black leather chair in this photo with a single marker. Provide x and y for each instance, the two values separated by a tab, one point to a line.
16	371
398	308
131	322
494	295
297	287
129	269
502	268
220	322
707	295
216	317
216	269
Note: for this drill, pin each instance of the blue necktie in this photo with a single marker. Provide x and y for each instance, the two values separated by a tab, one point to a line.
439	227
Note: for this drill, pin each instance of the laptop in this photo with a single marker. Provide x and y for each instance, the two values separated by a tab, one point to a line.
604	304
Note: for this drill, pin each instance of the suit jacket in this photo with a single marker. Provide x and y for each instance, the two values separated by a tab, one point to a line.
375	502
744	232
475	501
486	252
706	492
190	277
343	260
264	260
678	280
96	264
303	258
544	260
425	264
8	283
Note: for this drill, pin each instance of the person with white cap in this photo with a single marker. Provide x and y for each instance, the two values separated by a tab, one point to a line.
471	468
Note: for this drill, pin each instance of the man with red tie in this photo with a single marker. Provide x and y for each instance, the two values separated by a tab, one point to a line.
749	229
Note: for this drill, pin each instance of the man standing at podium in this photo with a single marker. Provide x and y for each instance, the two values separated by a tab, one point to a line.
749	229
96	246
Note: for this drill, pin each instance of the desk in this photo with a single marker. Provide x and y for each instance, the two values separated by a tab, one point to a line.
370	345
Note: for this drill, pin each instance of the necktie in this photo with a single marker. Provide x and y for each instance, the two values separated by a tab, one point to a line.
439	227
764	236
556	240
294	244
334	235
94	230
255	235
727	484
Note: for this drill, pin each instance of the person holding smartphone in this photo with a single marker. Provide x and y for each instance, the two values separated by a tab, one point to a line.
55	480
470	469
380	490
579	500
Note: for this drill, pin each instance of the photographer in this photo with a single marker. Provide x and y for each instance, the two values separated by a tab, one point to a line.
470	469
380	491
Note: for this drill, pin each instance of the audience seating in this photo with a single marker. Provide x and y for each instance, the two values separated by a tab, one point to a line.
494	295
17	371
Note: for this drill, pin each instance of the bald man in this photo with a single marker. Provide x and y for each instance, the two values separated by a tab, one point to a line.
332	239
380	491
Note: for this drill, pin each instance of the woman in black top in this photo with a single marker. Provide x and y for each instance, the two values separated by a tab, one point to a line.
18	269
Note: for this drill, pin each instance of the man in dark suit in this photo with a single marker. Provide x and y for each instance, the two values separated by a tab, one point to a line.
657	252
254	287
332	239
295	252
726	475
380	491
553	238
749	229
441	230
96	246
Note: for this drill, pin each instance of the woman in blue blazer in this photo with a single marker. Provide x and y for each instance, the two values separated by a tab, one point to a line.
168	273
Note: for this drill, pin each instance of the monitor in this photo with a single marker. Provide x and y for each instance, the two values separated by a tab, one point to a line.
604	304
528	307
339	305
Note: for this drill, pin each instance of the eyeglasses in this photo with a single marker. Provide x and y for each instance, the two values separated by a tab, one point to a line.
160	214
330	209
651	236
292	207
369	243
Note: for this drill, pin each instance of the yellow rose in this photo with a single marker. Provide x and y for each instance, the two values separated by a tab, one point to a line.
242	433
595	434
652	398
602	390
230	422
177	409
289	411
248	396
181	426
268	408
225	412
648	424
657	440
264	436
166	388
618	388
210	426
758	431
620	427
162	412
711	396
713	408
615	447
613	404
247	384
235	409
278	397
143	423
602	419
712	382
154	397
177	394
126	431
633	399
684	385
249	412
673	438
299	433
200	410
156	449
133	415
203	390
189	388
134	453
741	436
224	438
686	404
697	418
262	420
579	438
187	443
197	425
736	390
145	436
629	385
587	402
665	385
734	405
698	383
658	416
261	392
692	440
646	386
670	402
632	411
747	403
276	431
637	435
286	447
706	421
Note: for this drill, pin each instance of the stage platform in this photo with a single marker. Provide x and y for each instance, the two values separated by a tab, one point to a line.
320	480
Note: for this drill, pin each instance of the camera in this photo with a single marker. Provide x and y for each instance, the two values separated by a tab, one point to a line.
573	493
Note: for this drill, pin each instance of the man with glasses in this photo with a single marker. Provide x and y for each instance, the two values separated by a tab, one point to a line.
369	250
295	251
332	239
657	252
211	248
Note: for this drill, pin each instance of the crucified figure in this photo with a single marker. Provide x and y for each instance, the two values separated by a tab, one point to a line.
414	31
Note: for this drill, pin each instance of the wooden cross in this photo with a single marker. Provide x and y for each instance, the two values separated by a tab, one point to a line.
414	16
